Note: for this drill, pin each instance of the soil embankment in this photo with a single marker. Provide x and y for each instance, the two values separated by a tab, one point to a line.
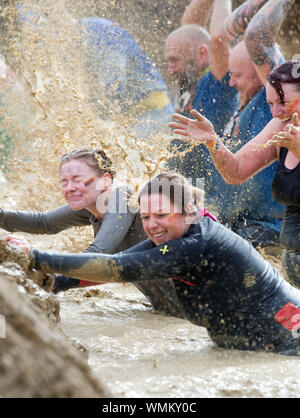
36	359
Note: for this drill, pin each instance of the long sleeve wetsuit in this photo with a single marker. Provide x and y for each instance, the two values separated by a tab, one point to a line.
221	282
119	230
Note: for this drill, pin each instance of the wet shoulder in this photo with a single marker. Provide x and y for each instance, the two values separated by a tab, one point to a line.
204	230
214	235
66	210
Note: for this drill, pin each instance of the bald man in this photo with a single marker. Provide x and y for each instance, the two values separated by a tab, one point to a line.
187	52
198	61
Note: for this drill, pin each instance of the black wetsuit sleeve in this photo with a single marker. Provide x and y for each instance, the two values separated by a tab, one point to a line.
50	222
168	260
141	246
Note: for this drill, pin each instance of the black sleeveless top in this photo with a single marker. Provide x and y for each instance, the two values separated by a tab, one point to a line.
286	190
286	183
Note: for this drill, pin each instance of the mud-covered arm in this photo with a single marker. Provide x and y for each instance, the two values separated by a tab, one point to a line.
50	222
261	34
237	23
168	260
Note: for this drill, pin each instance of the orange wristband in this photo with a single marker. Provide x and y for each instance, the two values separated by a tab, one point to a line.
214	145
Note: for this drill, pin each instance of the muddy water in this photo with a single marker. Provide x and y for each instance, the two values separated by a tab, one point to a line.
138	353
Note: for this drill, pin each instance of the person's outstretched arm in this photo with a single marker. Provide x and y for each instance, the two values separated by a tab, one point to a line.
261	34
219	45
237	22
34	222
196	12
245	163
141	264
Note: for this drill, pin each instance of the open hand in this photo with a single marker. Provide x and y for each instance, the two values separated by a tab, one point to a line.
198	129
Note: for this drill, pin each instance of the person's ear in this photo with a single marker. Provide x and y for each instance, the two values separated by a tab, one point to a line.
203	51
190	209
104	182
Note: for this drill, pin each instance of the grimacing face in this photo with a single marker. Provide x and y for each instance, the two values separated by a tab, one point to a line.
79	184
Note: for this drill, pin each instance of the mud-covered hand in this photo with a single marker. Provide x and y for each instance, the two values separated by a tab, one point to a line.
290	137
199	129
18	240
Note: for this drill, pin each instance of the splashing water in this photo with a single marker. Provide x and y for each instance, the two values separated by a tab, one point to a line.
55	113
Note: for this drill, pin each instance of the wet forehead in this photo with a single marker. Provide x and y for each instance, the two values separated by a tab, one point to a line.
239	59
289	90
75	168
156	203
178	47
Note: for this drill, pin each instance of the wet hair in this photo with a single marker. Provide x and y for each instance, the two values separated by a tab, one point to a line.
94	158
288	72
177	189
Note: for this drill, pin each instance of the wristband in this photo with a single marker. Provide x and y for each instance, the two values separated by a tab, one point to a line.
214	145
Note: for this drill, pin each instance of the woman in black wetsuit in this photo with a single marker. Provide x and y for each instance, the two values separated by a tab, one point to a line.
279	140
222	283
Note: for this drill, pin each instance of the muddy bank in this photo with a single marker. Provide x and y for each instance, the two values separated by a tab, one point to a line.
36	358
112	330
